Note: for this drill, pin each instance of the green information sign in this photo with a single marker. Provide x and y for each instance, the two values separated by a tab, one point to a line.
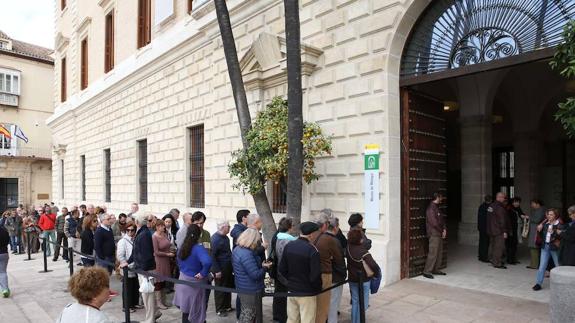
371	162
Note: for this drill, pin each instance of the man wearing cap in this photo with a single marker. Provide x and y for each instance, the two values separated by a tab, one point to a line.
301	267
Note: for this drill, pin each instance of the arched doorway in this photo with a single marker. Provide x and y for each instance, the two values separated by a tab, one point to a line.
455	73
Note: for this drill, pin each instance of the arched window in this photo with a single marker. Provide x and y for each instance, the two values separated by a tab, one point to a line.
456	33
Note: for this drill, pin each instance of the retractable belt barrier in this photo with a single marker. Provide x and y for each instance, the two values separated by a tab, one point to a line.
260	294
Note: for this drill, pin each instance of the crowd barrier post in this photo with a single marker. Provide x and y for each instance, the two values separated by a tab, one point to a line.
361	300
44	250
125	296
71	260
28	244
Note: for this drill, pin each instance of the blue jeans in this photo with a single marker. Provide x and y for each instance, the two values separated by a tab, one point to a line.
354	290
546	252
3	274
15	243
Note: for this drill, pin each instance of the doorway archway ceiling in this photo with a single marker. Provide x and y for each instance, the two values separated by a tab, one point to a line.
456	33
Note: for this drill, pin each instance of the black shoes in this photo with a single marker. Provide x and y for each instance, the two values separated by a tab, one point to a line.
429	276
537	287
440	273
500	267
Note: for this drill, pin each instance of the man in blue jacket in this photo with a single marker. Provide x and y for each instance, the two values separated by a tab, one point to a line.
104	244
241	226
300	265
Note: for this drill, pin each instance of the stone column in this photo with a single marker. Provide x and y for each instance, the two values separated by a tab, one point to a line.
475	94
475	173
527	147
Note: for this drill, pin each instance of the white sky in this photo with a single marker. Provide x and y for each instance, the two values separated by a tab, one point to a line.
31	21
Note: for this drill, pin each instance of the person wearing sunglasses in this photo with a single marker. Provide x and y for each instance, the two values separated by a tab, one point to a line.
123	253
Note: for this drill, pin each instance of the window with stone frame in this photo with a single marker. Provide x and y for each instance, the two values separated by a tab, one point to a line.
109	43
196	166
143	171
83	177
107	176
10	82
144	23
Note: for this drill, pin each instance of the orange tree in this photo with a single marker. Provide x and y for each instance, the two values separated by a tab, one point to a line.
266	159
564	62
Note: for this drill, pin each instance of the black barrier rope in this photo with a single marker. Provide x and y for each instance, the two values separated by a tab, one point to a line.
259	294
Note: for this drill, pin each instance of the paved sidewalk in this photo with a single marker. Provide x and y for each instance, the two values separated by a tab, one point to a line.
40	297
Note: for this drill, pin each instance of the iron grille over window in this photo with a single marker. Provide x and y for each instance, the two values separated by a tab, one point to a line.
457	33
143	170
63	80
144	22
107	176
197	185
279	196
109	43
83	176
84	64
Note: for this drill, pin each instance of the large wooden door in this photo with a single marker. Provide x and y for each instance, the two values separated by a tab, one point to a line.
424	171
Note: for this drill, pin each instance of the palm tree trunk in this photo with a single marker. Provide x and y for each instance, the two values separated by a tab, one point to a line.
295	116
260	199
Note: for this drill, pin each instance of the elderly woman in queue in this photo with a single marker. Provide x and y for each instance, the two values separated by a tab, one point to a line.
91	288
567	256
356	253
195	263
549	232
123	253
249	272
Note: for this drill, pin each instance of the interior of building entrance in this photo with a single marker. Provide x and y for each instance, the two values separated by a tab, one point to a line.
501	135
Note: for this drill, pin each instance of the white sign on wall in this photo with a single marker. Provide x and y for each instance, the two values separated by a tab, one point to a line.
163	10
371	186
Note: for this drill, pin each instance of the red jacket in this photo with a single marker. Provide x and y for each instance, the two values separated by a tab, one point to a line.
47	222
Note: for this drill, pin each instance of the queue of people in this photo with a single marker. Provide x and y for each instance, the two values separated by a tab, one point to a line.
316	259
549	237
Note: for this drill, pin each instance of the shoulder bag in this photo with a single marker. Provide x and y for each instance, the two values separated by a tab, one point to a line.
368	271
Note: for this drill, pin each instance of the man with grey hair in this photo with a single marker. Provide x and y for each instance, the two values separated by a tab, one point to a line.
222	267
134	208
331	255
255	222
181	235
339	270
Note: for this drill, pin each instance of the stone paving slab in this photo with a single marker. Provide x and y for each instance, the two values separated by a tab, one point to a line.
40	297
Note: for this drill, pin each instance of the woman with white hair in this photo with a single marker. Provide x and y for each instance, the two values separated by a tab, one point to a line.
568	240
222	267
249	272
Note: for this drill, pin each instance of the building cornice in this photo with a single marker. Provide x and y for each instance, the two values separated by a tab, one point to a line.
183	32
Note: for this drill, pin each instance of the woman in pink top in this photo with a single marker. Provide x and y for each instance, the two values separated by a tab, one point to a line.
163	253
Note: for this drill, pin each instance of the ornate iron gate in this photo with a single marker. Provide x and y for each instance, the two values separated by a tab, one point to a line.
424	171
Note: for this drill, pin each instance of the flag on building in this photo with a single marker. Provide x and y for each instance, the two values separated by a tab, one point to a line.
4	131
20	134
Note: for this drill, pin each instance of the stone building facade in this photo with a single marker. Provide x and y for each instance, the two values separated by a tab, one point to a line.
156	94
26	76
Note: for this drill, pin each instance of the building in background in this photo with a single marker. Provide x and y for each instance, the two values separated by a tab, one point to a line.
26	83
145	113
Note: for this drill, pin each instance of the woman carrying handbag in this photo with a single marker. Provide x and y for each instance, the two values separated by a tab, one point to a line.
360	262
549	235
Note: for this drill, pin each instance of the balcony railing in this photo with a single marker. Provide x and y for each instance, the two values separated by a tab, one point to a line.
8	99
32	152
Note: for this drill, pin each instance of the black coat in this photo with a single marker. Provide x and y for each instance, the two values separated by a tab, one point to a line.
87	246
143	253
104	244
568	246
482	218
300	265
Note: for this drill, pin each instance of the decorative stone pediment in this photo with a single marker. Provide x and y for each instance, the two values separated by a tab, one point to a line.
60	149
83	25
61	42
264	64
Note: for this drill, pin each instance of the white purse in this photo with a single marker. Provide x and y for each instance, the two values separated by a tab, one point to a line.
146	284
